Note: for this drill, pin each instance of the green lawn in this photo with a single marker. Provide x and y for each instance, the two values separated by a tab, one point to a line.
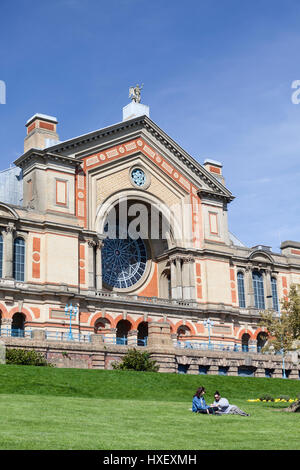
48	408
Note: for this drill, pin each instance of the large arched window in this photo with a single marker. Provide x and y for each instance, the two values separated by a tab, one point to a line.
19	259
258	287
274	294
1	255
241	289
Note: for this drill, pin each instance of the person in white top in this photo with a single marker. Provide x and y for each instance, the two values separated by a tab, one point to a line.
225	407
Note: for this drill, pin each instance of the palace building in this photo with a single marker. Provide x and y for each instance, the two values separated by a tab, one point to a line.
125	225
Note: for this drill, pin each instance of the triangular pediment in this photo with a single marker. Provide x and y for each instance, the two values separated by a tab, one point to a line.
120	140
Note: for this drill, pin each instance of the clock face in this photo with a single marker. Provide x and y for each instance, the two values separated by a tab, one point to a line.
123	261
138	177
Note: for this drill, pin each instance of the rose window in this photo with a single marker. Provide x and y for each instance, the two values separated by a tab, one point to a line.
138	177
123	261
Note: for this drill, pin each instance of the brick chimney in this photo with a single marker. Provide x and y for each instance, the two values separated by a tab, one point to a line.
215	168
41	132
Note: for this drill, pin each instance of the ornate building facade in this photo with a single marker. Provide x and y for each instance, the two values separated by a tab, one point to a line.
126	225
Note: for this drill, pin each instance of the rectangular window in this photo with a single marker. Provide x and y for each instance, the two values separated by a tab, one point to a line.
19	259
258	287
241	289
274	294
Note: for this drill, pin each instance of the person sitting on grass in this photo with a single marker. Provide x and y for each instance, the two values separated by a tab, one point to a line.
224	407
199	404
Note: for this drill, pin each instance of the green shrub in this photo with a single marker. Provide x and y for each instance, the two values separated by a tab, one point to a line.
266	397
25	357
136	360
284	397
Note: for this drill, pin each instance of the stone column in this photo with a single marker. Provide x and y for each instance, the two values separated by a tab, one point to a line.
192	279
8	257
159	335
173	279
2	352
249	288
179	278
99	265
186	290
132	338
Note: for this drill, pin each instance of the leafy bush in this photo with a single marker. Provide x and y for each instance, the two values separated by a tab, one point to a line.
266	397
25	357
136	360
284	397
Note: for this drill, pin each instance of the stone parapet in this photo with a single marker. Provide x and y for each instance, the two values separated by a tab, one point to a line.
99	355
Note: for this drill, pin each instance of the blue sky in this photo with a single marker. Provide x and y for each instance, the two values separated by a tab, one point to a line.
217	76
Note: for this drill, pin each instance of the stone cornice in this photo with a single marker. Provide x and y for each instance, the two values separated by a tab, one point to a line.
45	157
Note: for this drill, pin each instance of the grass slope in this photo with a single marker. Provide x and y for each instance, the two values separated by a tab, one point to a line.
48	408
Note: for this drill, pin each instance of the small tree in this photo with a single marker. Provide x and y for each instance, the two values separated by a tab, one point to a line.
284	328
136	360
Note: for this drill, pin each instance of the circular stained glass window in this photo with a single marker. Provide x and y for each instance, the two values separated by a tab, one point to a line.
138	177
123	261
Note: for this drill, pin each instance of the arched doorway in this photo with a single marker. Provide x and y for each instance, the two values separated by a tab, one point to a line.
18	324
261	340
183	334
102	326
245	342
142	333
123	328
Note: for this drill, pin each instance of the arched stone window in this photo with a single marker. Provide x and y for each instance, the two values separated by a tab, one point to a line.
19	259
241	289
258	287
245	342
18	324
123	328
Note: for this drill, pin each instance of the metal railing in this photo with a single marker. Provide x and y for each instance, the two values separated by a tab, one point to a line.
64	336
123	341
15	332
218	347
